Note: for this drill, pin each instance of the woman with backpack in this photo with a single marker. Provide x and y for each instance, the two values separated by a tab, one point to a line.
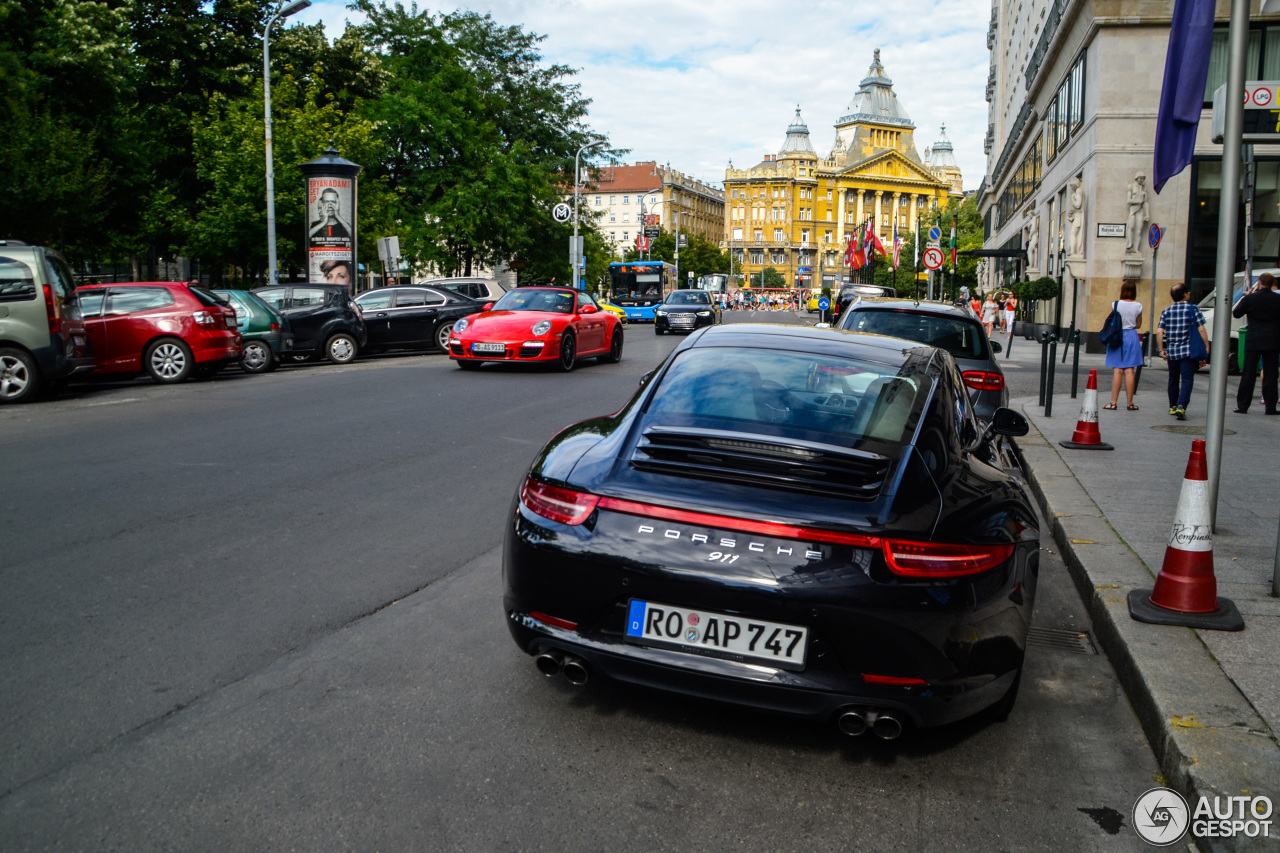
1127	355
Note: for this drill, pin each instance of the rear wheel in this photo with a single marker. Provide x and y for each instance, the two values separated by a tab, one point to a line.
615	348
568	352
168	360
341	348
257	357
442	334
19	376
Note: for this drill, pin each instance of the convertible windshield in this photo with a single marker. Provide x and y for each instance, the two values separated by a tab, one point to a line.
688	297
828	399
535	299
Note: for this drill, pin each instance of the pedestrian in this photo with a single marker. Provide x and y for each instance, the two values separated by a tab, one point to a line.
1127	357
1261	306
989	313
1010	305
1178	323
976	306
964	293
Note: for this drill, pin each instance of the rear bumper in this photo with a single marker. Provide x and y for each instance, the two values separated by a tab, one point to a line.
215	347
67	355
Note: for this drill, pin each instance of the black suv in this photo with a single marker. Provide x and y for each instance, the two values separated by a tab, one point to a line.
322	317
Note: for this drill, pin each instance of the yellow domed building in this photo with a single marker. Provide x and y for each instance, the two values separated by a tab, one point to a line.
793	210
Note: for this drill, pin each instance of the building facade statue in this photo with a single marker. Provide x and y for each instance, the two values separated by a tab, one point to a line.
1075	218
1139	213
1033	243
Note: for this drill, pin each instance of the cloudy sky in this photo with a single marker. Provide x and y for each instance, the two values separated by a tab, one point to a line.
698	84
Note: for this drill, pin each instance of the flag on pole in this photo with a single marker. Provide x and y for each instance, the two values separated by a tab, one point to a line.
859	258
953	241
897	244
874	244
1186	69
849	252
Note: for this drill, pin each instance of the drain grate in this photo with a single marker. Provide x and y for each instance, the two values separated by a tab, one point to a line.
1187	430
1057	640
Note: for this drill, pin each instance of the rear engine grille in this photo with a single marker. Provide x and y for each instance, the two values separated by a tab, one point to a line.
750	459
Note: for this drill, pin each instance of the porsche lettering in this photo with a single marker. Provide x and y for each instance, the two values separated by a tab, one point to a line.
703	539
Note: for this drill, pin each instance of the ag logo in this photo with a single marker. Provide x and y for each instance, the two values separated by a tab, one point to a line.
1161	817
561	212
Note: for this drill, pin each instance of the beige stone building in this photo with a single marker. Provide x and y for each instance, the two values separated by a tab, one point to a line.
793	210
1074	90
619	197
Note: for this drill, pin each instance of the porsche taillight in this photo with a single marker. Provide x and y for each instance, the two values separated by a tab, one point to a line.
563	505
914	559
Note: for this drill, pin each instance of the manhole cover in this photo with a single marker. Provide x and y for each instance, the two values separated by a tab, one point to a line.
1188	430
1057	640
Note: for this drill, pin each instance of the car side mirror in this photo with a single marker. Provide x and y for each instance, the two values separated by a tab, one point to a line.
587	309
996	348
1009	422
486	306
824	326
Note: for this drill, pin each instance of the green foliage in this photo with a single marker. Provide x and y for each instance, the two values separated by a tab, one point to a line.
700	256
1042	288
768	278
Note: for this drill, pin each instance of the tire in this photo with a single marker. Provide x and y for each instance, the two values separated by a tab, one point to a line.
568	353
257	357
19	376
656	330
469	365
341	348
615	348
442	333
168	361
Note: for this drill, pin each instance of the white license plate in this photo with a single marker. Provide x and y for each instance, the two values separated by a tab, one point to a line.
489	348
717	634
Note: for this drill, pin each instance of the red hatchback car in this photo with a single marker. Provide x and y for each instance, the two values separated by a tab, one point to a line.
163	328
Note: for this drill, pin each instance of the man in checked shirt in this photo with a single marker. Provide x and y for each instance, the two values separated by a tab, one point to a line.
1178	323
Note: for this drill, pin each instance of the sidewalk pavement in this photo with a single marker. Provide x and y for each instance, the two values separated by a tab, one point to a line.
1209	701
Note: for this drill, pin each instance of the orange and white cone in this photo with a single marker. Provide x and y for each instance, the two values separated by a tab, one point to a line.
1186	591
1087	436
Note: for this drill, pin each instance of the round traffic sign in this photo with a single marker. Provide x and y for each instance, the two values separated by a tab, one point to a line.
933	258
1154	235
561	212
1262	96
935	234
824	303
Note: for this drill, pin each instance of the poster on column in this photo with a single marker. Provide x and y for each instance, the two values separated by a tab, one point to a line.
331	216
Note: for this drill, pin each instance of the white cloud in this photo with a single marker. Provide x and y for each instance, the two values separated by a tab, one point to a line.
698	84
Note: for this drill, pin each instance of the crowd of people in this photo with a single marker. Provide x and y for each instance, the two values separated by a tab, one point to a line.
762	300
995	309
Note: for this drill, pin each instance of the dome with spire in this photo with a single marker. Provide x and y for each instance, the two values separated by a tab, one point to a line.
875	100
943	156
797	141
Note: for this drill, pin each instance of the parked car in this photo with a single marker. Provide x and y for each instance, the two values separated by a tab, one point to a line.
794	519
851	293
322	317
685	311
620	313
412	316
479	289
166	329
43	341
945	327
547	324
264	332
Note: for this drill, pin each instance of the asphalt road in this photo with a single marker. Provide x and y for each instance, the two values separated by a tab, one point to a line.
263	613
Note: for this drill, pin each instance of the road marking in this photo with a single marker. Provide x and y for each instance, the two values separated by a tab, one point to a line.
113	402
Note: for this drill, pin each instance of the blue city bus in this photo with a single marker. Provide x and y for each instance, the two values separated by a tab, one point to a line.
638	287
714	283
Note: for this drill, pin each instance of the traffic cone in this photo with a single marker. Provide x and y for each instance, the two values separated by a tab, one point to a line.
1186	592
1087	436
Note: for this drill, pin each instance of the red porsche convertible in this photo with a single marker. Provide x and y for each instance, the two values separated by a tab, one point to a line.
539	324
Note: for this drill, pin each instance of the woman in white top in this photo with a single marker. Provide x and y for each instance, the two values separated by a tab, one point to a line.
989	313
1124	358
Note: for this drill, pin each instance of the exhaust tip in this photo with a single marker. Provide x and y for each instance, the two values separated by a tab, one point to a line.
887	725
852	723
549	663
575	671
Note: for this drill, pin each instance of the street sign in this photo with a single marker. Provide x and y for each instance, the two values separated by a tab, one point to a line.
682	241
824	303
561	212
935	234
1154	235
1261	116
650	221
806	269
933	258
641	242
652	231
388	249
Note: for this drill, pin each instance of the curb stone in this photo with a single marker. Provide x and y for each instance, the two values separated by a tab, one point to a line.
1208	739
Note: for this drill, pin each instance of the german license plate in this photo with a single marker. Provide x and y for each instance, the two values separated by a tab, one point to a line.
499	348
716	634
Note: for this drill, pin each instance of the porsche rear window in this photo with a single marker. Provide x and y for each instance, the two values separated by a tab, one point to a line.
834	400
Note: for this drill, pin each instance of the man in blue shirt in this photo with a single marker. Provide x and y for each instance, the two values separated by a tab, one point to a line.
1178	323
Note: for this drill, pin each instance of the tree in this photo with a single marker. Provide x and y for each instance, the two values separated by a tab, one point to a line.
768	278
700	256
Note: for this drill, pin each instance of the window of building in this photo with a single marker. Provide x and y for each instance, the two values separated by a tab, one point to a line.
597	201
626	235
734	194
757	256
779	256
1263	57
759	234
777	235
828	195
1065	115
826	235
653	199
737	233
613	217
1023	184
1202	230
626	199
613	199
626	217
804	235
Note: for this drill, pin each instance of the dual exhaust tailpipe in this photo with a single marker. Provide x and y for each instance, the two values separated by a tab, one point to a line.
884	724
552	662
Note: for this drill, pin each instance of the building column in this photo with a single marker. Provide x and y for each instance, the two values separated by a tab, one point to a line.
840	214
861	212
897	209
911	219
878	224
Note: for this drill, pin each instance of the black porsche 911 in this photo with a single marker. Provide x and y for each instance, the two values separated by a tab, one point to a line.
801	520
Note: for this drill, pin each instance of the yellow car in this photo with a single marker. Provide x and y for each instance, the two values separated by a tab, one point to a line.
613	309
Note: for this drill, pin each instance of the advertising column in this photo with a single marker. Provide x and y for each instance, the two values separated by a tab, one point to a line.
331	218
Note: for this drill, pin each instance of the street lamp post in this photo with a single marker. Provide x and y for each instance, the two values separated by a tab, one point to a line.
574	260
284	11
